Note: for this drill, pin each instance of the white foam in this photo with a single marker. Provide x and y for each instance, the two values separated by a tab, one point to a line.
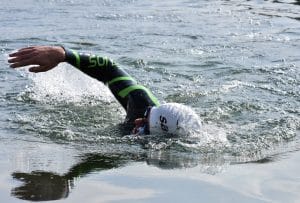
66	84
228	86
212	133
211	138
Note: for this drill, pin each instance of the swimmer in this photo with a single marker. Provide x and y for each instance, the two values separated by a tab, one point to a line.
144	115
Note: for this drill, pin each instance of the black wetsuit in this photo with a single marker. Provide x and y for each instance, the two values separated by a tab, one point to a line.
134	98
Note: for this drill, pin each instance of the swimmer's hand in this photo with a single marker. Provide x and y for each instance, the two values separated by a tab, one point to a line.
40	58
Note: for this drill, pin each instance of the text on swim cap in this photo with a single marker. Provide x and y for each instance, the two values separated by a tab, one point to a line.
163	122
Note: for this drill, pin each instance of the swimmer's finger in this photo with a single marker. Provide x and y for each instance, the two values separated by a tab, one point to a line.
22	63
22	51
19	58
38	69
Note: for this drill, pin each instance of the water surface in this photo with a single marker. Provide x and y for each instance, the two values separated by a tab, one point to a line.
236	63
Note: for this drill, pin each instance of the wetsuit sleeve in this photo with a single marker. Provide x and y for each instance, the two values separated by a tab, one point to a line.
122	85
92	65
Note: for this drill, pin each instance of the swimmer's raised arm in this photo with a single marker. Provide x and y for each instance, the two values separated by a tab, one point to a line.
40	58
44	58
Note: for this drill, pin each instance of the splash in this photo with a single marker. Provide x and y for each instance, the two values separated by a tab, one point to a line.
65	84
211	139
191	127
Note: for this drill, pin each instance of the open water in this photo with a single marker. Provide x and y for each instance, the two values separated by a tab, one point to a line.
236	63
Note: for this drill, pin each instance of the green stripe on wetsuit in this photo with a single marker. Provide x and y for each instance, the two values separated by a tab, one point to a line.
77	58
122	78
124	92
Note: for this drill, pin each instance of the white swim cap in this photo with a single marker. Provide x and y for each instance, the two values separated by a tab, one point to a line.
173	118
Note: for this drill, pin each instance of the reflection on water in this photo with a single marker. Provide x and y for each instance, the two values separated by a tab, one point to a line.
46	185
40	185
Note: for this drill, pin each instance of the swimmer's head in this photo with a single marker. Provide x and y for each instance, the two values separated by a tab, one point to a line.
169	118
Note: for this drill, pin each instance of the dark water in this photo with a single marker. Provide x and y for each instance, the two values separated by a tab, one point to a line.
236	63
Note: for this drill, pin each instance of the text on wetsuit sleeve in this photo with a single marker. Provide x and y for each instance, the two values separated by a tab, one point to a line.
97	61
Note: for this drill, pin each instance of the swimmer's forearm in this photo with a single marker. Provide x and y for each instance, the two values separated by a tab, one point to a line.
44	58
86	61
95	66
